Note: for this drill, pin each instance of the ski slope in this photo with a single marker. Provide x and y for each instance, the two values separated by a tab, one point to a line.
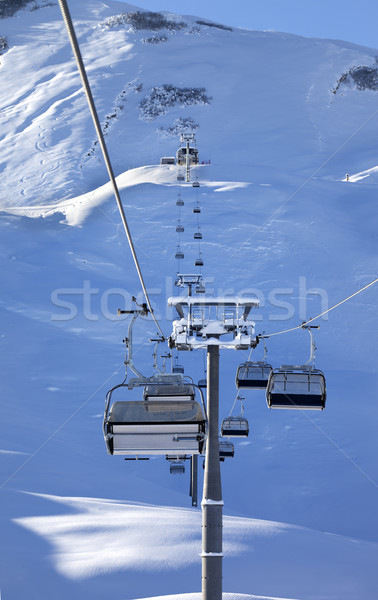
279	221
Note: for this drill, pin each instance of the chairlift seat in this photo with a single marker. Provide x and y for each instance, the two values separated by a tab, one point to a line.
179	229
253	375
197	236
178	369
295	387
177	468
162	427
202	383
226	449
198	262
235	427
196	209
196	184
180	178
169	392
179	255
180	202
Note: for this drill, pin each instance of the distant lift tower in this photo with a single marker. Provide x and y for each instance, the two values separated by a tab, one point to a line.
191	154
212	324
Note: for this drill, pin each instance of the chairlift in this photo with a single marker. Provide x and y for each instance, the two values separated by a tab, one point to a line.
179	392
235	427
226	449
197	235
160	427
177	368
198	262
196	209
253	375
200	288
196	184
301	387
179	255
177	467
179	228
179	202
202	383
180	178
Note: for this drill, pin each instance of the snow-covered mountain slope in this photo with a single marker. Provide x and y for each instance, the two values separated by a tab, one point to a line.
282	119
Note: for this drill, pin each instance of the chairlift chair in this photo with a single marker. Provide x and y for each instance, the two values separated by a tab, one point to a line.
180	178
202	383
300	387
180	202
235	427
200	289
179	255
197	235
169	391
179	228
178	369
253	375
196	184
226	449
160	427
196	209
177	467
198	262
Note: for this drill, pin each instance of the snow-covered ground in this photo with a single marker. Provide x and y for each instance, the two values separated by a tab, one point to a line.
279	220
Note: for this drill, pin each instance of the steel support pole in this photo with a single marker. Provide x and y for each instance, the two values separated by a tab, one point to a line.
187	162
212	504
194	479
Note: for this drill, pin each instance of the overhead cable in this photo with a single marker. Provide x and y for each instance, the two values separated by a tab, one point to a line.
76	51
268	335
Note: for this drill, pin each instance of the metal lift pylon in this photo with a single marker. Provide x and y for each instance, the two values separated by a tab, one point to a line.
201	323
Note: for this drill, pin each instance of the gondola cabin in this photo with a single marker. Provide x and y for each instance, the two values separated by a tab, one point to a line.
296	387
235	427
158	427
253	375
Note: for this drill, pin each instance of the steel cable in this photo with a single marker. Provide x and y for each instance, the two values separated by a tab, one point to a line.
77	54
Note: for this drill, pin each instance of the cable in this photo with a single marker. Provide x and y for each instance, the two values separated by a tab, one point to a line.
76	51
323	313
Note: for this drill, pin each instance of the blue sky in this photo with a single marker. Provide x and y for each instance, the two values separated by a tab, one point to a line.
337	19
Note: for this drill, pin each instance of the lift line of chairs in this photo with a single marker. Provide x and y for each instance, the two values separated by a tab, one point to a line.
300	387
170	421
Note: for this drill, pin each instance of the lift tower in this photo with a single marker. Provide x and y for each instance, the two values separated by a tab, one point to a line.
213	324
